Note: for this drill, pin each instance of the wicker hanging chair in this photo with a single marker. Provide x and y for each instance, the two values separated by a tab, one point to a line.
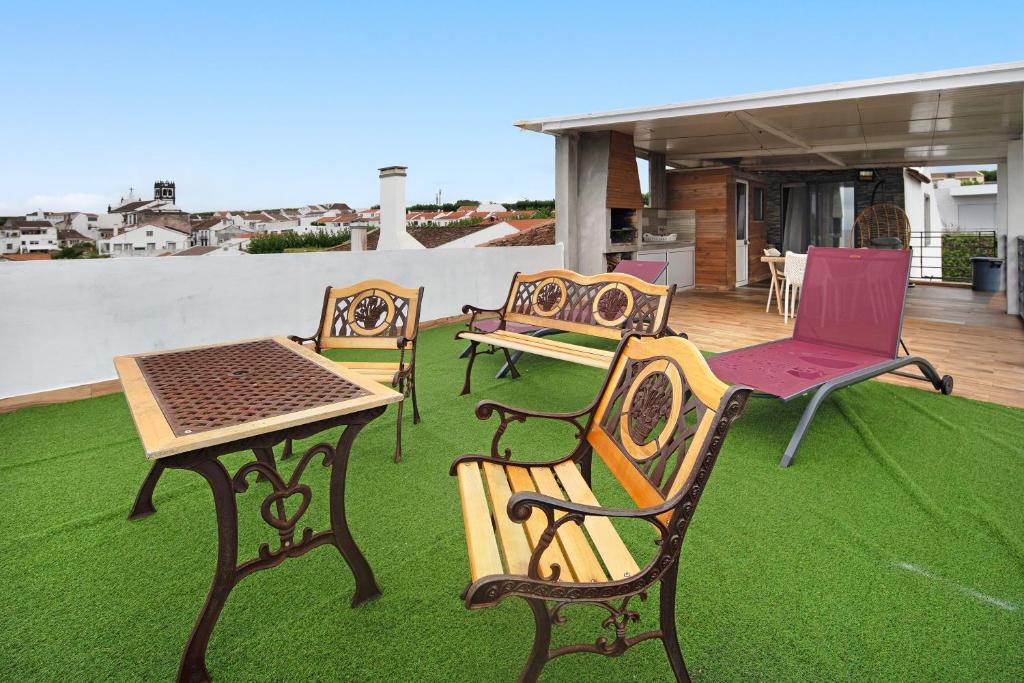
883	226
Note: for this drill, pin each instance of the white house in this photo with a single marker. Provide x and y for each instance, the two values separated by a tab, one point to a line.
145	240
972	207
32	236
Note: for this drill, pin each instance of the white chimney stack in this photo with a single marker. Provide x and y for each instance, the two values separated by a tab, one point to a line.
392	211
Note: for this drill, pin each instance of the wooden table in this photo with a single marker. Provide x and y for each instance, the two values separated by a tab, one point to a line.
192	406
773	262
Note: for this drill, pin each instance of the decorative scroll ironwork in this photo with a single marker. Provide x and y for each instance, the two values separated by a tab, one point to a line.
635	413
612	304
559	298
274	511
549	296
370	312
620	616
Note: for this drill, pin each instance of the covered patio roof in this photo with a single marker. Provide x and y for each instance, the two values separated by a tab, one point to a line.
957	116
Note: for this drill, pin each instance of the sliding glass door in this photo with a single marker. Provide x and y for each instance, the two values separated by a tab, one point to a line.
819	214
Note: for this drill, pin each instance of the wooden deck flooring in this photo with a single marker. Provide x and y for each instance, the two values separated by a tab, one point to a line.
964	334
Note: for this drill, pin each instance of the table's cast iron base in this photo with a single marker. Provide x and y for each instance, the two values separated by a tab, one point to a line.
229	572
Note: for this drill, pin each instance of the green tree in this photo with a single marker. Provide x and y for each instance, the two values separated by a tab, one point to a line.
77	251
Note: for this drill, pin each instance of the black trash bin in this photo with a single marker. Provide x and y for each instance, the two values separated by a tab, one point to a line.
986	273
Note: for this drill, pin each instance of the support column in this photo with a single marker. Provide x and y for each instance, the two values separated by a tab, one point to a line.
658	180
567	197
1014	220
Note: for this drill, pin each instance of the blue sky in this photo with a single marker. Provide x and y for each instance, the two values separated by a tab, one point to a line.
258	104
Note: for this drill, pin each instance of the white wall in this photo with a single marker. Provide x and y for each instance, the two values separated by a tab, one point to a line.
99	308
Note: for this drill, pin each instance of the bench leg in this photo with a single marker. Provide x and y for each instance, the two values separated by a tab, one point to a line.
412	389
469	366
510	363
541	642
506	368
668	624
466	351
398	428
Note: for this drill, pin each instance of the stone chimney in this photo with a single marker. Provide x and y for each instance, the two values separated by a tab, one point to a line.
392	211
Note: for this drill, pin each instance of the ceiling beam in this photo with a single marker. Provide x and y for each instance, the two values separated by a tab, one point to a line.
752	120
953	141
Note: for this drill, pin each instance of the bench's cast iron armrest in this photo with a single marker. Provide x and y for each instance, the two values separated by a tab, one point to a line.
474	311
520	507
315	338
508	415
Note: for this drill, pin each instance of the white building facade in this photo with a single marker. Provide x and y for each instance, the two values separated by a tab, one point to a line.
145	240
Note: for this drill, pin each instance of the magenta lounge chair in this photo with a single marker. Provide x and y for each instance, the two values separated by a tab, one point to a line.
848	330
648	271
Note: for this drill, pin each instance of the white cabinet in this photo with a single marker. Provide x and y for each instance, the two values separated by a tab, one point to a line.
680	265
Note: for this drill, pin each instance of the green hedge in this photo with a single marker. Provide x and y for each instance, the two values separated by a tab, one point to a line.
957	250
277	243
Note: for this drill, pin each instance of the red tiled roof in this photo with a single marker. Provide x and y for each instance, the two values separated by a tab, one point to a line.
524	224
429	237
36	256
22	223
206	224
544	234
72	235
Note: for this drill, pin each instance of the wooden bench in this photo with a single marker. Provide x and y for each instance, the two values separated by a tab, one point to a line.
605	306
374	314
537	531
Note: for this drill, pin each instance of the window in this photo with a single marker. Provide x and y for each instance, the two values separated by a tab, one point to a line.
149	233
171	245
151	246
757	210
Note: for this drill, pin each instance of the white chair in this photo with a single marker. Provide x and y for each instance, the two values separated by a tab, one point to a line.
795	265
778	281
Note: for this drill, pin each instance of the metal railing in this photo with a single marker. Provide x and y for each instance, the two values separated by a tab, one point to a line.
936	256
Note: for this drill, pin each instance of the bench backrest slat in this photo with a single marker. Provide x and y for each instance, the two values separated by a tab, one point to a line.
370	314
653	421
606	305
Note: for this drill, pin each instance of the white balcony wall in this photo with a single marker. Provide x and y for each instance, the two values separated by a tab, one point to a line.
65	320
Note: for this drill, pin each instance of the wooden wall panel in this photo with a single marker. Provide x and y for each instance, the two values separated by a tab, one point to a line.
623	176
711	194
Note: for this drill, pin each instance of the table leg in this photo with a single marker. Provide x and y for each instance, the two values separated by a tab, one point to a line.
144	498
366	584
193	660
229	572
775	288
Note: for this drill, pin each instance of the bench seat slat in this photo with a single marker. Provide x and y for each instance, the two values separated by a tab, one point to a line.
519	478
613	551
369	365
512	534
585	564
595	358
484	559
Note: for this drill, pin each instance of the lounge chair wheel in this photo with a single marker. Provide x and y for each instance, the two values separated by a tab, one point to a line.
947	385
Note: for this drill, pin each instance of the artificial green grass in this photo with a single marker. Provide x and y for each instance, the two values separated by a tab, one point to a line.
893	549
